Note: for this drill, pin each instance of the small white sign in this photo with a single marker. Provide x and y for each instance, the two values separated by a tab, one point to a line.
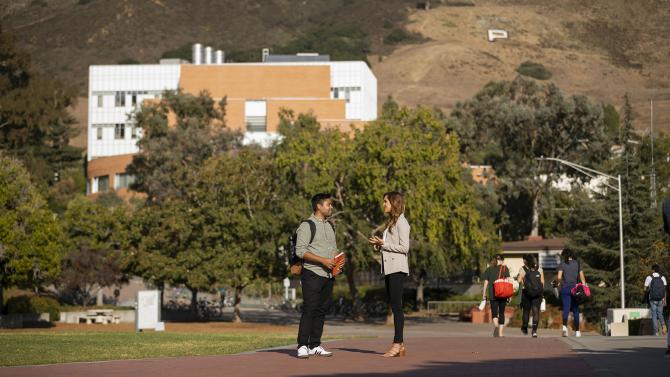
148	310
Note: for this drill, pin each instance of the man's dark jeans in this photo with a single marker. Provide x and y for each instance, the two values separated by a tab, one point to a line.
316	296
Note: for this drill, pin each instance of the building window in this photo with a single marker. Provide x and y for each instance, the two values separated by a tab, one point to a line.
98	133
134	99
100	100
120	99
103	183
119	131
133	132
344	92
255	116
123	181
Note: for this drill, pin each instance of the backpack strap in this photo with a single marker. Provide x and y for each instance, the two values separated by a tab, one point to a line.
312	230
500	271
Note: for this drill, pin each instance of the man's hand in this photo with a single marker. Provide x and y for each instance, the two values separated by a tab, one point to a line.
328	263
340	265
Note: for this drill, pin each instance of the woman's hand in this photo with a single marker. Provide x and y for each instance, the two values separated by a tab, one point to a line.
376	241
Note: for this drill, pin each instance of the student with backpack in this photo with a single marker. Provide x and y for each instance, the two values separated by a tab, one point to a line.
655	286
496	274
569	274
532	280
315	245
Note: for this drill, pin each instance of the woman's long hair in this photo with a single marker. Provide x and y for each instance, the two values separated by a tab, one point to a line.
530	261
397	208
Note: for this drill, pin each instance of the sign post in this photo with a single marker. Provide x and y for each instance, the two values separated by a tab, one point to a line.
148	315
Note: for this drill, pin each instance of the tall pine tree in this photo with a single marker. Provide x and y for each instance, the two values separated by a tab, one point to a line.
593	228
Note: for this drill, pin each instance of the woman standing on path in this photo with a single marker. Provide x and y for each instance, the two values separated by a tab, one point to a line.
394	247
496	271
531	295
569	274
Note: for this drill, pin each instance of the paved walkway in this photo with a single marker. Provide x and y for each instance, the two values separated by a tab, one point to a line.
435	356
434	348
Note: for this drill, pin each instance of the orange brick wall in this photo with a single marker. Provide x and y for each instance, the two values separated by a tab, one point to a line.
256	81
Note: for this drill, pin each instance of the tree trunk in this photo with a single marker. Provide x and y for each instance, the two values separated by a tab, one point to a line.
419	290
194	301
237	317
99	298
349	271
535	226
2	299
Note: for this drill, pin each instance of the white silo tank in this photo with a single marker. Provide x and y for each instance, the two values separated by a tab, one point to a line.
208	55
197	54
219	57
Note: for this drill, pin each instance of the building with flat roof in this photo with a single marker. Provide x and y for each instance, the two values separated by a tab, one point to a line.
339	94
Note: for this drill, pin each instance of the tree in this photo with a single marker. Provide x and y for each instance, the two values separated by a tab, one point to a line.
593	228
313	160
96	239
31	241
171	152
181	132
411	150
241	205
510	124
35	124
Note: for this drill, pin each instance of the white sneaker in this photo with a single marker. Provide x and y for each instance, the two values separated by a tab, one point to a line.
303	352
565	331
578	334
320	351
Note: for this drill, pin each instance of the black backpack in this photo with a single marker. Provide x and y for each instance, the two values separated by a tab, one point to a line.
532	283
656	289
295	262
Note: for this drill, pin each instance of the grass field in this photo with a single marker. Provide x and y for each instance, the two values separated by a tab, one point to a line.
71	343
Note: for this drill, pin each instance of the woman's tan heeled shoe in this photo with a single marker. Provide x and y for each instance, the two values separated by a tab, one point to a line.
397	350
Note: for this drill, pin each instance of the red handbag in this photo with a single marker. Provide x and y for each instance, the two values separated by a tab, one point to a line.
502	288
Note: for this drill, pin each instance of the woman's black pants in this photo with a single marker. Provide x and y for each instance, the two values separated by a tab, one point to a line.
394	287
530	304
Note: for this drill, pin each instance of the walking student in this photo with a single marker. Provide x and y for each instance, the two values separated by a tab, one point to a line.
394	247
655	287
532	280
496	270
569	274
316	277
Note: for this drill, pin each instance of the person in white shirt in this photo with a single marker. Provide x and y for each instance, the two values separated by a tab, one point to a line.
655	287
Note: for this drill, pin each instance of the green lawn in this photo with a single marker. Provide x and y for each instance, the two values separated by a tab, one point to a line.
29	348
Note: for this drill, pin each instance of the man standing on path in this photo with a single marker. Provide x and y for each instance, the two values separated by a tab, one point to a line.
315	244
655	286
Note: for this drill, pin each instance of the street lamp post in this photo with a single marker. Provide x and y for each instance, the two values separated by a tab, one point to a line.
594	174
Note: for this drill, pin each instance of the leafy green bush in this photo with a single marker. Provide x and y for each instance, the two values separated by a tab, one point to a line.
128	61
397	36
34	304
341	42
183	52
534	70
